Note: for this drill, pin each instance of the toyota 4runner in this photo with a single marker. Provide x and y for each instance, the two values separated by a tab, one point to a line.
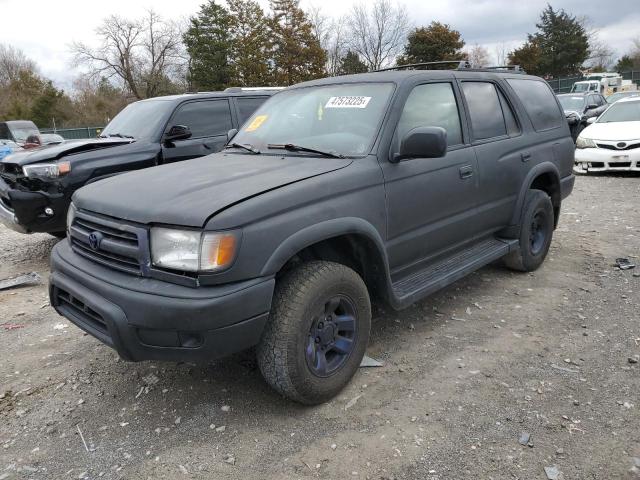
393	184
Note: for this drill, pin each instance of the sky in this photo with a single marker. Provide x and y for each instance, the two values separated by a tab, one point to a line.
45	29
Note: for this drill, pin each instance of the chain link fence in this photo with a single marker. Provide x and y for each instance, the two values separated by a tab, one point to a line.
563	85
75	133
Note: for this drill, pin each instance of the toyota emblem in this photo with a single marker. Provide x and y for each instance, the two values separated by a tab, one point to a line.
95	238
621	145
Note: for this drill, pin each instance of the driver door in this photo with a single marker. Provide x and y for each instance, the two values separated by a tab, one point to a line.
430	201
209	122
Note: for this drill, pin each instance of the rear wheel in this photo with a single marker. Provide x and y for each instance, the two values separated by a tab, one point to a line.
536	231
317	333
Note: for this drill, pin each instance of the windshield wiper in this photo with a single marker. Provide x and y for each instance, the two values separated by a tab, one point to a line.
298	148
244	146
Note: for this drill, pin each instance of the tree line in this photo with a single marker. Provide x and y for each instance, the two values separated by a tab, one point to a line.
241	44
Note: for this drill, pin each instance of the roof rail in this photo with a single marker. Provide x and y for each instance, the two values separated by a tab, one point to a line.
515	68
250	89
462	64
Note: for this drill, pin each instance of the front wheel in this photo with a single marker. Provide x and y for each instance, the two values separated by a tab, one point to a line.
536	231
317	332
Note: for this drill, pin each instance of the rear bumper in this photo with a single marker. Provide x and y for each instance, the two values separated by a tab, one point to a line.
147	319
24	212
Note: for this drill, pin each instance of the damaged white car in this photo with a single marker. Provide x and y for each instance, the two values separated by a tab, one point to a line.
612	141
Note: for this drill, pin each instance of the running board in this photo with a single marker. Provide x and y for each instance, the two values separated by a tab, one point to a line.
420	284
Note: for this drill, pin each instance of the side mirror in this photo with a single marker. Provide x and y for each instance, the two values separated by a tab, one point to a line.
231	133
422	142
592	120
177	132
591	106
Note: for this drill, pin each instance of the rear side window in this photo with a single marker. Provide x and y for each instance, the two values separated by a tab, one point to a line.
487	120
432	105
510	119
247	106
208	118
539	102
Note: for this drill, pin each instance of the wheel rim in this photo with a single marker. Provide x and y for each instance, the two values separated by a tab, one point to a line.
538	233
332	336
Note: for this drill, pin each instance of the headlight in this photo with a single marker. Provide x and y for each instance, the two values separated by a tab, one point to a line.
46	170
585	143
71	214
191	250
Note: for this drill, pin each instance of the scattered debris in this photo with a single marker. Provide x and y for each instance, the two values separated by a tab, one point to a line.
230	459
525	438
634	359
82	437
552	473
225	408
60	326
624	264
352	402
150	379
221	429
563	369
21	280
12	326
370	362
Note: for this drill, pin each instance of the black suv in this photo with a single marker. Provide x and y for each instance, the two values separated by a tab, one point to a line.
580	107
36	185
393	184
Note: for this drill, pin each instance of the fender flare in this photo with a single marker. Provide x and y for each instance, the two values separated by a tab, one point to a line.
541	168
320	232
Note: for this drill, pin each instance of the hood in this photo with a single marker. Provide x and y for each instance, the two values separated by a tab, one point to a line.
57	151
614	131
188	193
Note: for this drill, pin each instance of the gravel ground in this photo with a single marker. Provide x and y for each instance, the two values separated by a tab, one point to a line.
468	375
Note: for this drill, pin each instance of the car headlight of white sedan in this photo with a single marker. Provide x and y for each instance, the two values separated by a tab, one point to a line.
193	250
585	143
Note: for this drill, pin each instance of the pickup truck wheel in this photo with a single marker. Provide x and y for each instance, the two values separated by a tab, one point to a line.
536	231
317	332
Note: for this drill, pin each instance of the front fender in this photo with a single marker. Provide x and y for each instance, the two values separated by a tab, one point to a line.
324	231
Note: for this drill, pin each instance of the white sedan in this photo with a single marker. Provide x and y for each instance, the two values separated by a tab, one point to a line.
612	141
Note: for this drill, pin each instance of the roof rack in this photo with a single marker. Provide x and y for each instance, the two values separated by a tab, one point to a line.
250	89
461	65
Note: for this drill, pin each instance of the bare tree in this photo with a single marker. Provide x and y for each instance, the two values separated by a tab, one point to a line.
145	55
600	54
501	52
12	62
478	56
378	31
331	33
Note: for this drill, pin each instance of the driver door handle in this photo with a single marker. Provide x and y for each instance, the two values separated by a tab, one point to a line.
466	172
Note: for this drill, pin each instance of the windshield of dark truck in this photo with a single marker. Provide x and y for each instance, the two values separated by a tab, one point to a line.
343	119
140	120
568	102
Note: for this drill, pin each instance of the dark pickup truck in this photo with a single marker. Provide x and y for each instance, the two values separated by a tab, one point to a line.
36	185
392	184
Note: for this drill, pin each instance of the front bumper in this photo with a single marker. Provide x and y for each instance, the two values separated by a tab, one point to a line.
605	160
148	319
24	212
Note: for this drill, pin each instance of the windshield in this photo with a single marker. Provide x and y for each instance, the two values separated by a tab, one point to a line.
22	133
575	104
342	119
140	120
583	87
621	112
617	96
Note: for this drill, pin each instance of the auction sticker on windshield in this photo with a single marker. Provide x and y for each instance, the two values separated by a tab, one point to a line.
348	102
256	123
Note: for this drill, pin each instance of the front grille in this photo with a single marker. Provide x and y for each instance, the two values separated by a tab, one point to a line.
82	313
108	242
613	147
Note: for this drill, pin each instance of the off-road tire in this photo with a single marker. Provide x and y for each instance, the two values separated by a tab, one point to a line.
281	351
537	209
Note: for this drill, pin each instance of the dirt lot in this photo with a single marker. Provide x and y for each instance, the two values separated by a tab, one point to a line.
468	374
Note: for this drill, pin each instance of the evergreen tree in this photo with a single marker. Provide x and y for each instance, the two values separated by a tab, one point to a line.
626	64
527	57
250	44
208	43
350	64
297	53
563	43
434	43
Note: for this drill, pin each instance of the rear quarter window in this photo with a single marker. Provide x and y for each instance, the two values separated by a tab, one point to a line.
539	102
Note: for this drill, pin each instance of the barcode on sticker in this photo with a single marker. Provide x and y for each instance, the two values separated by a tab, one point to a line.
348	102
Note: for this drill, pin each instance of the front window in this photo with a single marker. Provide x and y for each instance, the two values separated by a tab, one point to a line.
572	104
621	112
140	120
22	133
343	119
